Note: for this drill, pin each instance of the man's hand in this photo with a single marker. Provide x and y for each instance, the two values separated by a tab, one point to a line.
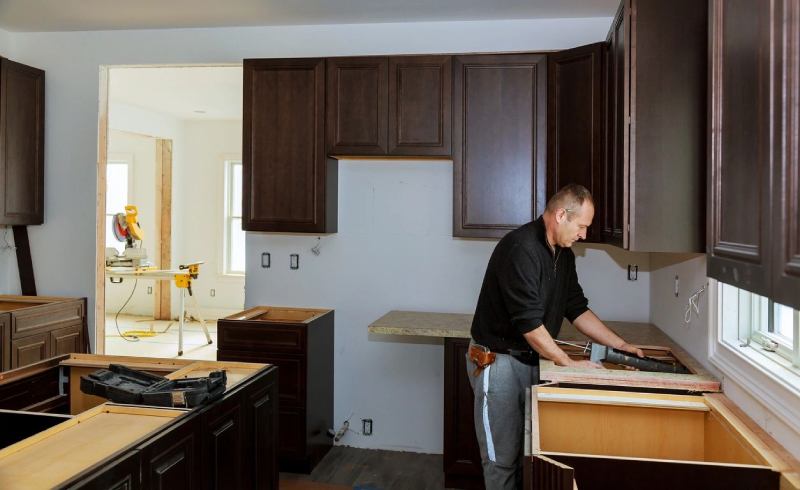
580	364
633	350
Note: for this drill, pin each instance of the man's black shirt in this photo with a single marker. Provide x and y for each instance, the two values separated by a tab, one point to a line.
526	286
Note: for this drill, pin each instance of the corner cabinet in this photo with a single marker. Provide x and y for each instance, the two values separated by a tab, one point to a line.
754	190
21	144
289	185
499	142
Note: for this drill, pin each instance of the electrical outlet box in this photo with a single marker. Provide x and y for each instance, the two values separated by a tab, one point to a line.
366	427
265	260
213	292
149	289
294	261
633	272
677	286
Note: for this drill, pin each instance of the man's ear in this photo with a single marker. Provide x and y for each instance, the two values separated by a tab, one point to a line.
560	213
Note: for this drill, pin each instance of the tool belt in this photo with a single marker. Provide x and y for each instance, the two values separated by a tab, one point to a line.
481	357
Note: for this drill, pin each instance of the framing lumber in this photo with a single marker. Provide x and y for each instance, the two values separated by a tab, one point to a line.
163	228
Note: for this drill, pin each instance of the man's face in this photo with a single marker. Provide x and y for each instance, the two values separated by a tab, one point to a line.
569	232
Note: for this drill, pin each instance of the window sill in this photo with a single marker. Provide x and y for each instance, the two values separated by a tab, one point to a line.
767	376
238	278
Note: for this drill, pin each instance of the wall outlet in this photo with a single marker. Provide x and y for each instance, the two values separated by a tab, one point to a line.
265	260
633	272
677	286
366	427
213	292
294	261
149	289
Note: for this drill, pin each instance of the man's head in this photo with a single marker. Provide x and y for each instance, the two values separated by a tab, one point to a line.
568	214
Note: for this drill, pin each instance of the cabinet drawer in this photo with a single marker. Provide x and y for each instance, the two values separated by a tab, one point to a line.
43	318
291	372
252	336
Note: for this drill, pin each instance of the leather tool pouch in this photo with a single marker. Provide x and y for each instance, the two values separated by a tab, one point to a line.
480	358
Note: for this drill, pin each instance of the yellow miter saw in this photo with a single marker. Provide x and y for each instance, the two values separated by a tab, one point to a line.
125	228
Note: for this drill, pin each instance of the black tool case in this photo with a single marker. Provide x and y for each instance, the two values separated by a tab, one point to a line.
120	384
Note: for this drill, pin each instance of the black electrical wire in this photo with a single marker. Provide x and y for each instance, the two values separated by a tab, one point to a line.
120	311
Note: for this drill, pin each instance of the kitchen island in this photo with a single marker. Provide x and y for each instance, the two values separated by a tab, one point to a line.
63	438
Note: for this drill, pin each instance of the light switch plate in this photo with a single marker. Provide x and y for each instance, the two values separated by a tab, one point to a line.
265	260
294	261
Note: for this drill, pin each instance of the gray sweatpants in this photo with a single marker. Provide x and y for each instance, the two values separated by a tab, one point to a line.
499	418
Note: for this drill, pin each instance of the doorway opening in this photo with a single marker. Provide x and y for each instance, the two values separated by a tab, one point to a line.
170	144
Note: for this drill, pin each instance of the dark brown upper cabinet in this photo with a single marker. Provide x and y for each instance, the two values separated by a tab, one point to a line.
288	183
357	105
656	126
389	106
21	144
420	94
499	142
575	125
753	223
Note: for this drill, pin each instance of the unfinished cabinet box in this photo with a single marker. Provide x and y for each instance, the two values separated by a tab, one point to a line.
299	341
34	328
624	440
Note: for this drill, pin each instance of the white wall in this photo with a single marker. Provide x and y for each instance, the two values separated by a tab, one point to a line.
407	269
5	44
201	194
395	251
667	312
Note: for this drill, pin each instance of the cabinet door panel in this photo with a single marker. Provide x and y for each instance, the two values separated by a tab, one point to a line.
357	105
171	460
420	94
123	474
499	148
786	199
284	170
5	342
223	444
614	192
66	340
292	432
575	110
21	144
739	207
29	350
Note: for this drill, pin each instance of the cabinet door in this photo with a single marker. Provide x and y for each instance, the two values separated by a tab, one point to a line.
420	94
575	124
21	144
741	140
261	425
786	196
29	350
357	105
171	461
291	433
5	342
223	444
499	142
287	184
615	192
66	340
461	453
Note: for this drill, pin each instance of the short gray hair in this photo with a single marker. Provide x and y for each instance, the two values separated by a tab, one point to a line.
571	197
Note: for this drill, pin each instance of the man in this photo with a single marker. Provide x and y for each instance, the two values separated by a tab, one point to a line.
530	286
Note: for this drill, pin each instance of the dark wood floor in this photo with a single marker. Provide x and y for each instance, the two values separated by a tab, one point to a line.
387	470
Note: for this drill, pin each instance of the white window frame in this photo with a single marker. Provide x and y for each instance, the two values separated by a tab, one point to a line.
736	349
224	243
116	159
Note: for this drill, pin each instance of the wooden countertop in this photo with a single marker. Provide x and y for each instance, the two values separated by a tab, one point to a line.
458	325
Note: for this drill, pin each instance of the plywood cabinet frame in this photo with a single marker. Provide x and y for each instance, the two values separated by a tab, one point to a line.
751	455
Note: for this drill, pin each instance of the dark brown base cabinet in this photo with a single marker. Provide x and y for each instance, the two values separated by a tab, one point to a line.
300	343
228	443
34	328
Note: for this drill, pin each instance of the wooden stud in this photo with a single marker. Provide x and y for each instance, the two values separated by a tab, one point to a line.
163	228
100	273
